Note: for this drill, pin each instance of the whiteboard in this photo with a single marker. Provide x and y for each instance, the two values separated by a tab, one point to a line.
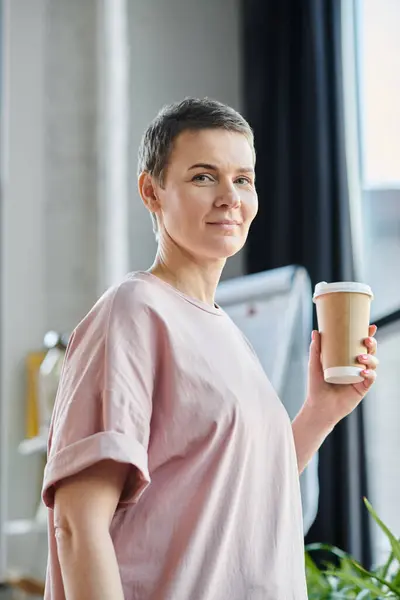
274	311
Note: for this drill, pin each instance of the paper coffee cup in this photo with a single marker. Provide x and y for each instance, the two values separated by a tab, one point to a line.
343	313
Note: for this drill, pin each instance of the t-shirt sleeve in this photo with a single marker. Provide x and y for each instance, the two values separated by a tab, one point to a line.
104	400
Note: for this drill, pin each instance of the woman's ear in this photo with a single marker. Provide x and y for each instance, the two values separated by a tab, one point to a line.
147	191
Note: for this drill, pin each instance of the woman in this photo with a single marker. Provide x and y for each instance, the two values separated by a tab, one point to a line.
173	468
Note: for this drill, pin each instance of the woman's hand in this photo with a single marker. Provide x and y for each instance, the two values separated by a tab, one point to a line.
333	402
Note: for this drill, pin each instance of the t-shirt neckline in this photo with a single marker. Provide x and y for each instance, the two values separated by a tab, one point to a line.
214	310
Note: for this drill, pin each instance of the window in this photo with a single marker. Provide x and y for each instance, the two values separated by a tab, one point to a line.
371	67
379	91
377	27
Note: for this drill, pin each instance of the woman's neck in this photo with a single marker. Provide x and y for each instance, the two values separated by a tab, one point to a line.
195	278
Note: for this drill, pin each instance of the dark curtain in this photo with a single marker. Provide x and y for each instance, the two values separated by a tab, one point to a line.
293	100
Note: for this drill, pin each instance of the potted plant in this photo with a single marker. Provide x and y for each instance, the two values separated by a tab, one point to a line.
344	578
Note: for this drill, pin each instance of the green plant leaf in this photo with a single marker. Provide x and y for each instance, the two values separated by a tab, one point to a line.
393	541
343	595
363	595
350	580
310	564
346	565
387	565
396	580
317	585
362	584
316	547
372	575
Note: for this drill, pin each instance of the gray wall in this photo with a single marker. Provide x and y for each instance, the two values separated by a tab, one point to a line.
22	240
71	173
49	236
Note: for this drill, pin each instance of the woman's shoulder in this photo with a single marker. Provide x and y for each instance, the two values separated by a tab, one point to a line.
133	295
131	298
125	309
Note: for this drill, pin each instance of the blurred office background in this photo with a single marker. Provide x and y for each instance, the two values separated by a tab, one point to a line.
79	82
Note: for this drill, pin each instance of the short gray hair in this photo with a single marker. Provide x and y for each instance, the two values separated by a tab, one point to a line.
190	114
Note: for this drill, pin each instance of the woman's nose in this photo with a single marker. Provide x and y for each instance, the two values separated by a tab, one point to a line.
228	197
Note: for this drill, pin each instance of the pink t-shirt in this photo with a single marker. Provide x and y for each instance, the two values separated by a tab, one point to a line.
169	384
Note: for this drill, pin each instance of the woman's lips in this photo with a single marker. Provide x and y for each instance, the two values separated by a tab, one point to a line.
225	224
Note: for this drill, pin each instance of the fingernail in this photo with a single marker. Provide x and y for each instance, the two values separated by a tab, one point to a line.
365	372
363	357
312	336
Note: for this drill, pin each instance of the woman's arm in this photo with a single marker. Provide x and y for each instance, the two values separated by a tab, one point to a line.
309	431
83	510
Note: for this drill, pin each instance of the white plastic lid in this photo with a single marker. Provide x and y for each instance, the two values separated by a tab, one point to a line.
342	286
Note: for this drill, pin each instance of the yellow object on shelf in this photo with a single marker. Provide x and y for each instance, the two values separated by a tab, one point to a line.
33	362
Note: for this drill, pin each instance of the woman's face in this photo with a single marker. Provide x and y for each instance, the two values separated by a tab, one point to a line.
208	199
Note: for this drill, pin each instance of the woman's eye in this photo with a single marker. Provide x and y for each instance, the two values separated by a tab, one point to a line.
242	180
202	178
